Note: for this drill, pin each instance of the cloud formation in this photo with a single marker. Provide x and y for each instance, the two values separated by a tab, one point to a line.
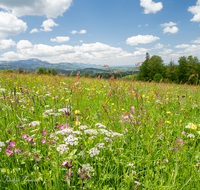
150	6
48	8
195	10
141	39
10	25
34	30
60	39
5	44
170	27
48	24
80	32
197	41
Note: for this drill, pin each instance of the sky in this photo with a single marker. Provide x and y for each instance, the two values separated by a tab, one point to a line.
105	32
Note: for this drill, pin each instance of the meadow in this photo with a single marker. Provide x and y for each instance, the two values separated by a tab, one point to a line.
61	132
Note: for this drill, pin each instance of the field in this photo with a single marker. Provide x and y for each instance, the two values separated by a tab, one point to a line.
78	133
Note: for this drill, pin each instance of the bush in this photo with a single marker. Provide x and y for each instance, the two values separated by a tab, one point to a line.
157	77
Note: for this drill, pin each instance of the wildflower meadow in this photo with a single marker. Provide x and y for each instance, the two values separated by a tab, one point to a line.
60	132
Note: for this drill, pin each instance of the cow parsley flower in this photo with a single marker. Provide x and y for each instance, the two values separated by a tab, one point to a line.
93	152
34	123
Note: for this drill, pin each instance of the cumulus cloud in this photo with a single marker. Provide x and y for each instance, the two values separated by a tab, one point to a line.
34	30
80	32
5	44
48	8
197	41
92	53
150	6
48	24
170	27
141	39
158	46
166	51
195	10
60	39
182	46
140	51
10	25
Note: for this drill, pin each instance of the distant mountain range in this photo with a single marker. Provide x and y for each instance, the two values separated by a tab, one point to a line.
36	63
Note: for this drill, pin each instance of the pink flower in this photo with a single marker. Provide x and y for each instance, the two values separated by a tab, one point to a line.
61	127
43	141
16	151
38	159
24	136
9	152
132	109
183	133
49	141
12	144
29	139
64	163
138	183
44	132
66	124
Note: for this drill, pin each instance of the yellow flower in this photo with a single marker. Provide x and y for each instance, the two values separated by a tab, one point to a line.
87	117
168	122
167	99
168	112
182	109
112	104
190	96
62	98
77	123
193	126
114	109
122	109
67	100
143	96
167	142
180	121
77	112
198	132
52	97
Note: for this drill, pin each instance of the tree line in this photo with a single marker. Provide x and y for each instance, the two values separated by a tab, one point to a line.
187	70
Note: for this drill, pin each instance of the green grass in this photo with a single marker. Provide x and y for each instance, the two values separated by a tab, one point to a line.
145	145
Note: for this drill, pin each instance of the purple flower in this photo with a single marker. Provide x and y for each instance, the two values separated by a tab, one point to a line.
38	160
64	163
183	133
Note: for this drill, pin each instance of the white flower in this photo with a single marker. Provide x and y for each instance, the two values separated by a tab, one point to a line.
94	152
131	165
82	127
34	123
100	125
62	148
65	131
87	167
2	144
0	149
46	106
48	111
106	139
34	130
77	132
71	140
92	137
100	145
91	132
190	135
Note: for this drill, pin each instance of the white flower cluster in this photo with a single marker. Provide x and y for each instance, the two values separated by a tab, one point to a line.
91	132
100	125
94	152
87	167
83	127
65	131
71	140
77	132
64	110
100	145
190	135
34	123
62	148
54	137
92	137
109	133
2	144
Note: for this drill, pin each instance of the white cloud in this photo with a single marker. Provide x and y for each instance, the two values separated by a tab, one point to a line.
197	41
166	51
60	39
48	24
196	11
85	53
49	8
170	27
182	46
150	6
139	26
81	41
10	25
24	44
80	32
34	30
140	51
146	24
158	46
5	44
141	39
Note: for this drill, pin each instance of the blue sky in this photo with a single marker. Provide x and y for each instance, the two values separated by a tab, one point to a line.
112	32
